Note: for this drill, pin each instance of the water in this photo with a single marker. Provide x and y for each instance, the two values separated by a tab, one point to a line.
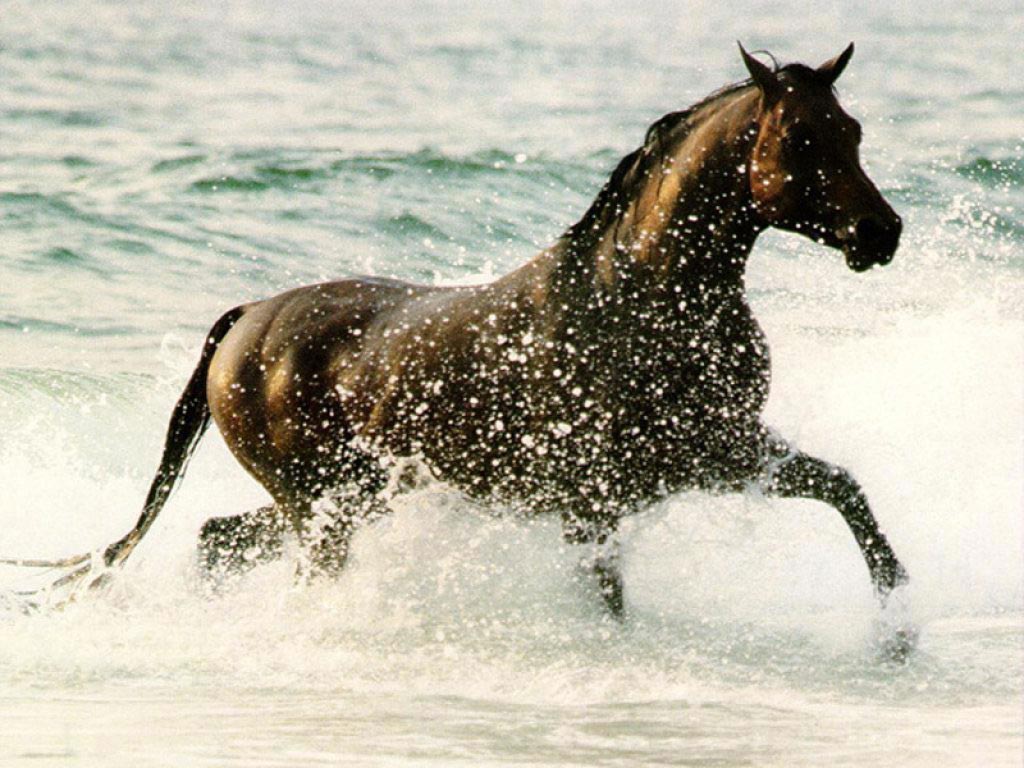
161	163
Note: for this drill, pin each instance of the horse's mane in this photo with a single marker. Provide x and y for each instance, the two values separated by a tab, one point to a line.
637	165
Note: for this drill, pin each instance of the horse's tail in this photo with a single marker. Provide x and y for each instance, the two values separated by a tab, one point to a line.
189	421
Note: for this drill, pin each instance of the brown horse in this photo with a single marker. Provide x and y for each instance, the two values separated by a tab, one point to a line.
620	365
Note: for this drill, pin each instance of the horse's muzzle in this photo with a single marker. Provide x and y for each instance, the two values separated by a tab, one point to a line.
871	241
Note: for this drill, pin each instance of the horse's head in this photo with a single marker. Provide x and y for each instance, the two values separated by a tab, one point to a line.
805	173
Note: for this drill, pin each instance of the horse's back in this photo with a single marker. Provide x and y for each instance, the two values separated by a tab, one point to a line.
291	327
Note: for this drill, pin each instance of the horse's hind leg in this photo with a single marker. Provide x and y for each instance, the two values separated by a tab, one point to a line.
233	545
328	529
798	475
320	504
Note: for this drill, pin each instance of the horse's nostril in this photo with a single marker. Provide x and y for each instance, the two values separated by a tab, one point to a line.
873	233
869	230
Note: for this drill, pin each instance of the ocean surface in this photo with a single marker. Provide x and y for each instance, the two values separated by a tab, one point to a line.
163	162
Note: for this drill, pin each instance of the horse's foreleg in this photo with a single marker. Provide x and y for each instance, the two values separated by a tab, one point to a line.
605	567
603	562
798	475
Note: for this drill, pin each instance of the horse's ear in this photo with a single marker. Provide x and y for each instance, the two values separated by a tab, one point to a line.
765	79
830	71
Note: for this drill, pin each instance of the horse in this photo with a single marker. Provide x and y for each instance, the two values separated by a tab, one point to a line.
618	366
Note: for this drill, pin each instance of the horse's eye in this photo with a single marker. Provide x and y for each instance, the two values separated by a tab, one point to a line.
799	138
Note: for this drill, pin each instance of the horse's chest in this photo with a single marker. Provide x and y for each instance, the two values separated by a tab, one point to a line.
713	365
725	368
658	411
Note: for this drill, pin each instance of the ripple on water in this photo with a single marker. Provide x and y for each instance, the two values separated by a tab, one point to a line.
70	118
1006	172
174	163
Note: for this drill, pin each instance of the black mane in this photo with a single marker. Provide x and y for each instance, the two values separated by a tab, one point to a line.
638	164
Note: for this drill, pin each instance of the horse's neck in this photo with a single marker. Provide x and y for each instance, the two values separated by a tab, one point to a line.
689	224
713	225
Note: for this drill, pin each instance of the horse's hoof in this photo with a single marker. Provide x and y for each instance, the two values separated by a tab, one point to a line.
897	644
895	633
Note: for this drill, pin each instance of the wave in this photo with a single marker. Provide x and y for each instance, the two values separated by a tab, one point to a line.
66	258
95	327
1003	172
174	163
408	225
285	169
69	386
68	118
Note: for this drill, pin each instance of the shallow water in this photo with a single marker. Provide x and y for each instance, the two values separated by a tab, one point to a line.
159	165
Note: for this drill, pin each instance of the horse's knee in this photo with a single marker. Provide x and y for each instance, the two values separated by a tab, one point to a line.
840	486
219	533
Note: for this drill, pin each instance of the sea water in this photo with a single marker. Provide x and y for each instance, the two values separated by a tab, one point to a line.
163	162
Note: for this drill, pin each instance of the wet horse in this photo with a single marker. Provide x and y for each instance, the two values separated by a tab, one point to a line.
620	365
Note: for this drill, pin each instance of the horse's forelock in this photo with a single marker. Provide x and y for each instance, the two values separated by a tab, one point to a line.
801	74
